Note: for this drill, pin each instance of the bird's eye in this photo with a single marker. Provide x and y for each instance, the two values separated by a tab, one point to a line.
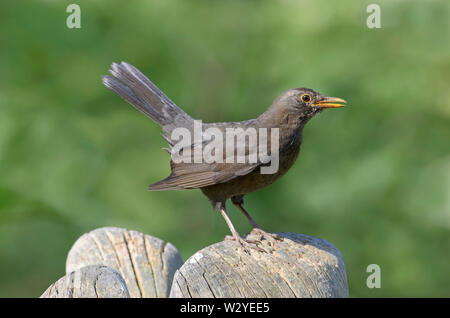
306	98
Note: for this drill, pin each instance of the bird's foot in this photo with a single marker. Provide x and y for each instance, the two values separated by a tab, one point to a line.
272	237
245	244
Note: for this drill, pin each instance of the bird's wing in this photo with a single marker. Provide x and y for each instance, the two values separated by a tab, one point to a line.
192	175
187	174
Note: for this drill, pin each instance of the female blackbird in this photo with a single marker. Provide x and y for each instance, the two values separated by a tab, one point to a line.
224	179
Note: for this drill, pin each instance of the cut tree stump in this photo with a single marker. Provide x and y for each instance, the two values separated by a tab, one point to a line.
89	282
301	266
146	263
114	262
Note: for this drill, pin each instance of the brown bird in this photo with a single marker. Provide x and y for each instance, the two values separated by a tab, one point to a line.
221	180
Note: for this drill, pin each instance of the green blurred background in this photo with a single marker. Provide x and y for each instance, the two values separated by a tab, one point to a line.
372	178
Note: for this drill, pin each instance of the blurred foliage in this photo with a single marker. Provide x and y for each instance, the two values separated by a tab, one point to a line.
372	178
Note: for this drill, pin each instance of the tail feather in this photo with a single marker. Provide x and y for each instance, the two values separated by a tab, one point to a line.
133	86
128	94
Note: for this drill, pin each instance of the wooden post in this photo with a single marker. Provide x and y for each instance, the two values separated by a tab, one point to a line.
301	266
89	282
146	263
114	262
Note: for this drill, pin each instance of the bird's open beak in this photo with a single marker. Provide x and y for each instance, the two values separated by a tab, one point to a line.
329	102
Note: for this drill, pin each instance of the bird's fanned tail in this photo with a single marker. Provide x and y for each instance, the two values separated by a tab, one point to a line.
133	86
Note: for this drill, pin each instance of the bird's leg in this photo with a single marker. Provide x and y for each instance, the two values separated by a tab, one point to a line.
239	202
245	244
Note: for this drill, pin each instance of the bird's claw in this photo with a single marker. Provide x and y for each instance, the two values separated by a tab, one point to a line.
245	244
272	237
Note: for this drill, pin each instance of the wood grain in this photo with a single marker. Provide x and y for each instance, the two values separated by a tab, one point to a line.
146	263
89	282
301	266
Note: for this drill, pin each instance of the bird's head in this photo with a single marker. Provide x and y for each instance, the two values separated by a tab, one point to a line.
307	102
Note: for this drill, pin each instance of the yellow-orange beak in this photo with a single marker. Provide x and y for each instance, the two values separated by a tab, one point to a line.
330	102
